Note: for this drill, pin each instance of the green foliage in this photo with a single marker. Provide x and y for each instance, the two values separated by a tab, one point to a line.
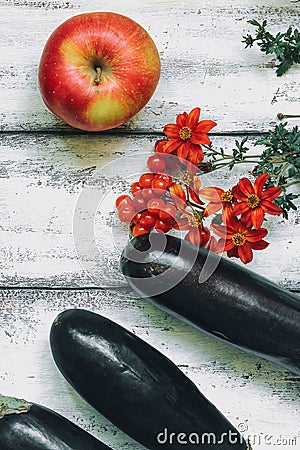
280	158
285	46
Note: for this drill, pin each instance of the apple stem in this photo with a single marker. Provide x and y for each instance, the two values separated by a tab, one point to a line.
98	75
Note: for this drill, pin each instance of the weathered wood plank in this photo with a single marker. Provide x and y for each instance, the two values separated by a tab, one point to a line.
204	62
45	175
53	187
258	397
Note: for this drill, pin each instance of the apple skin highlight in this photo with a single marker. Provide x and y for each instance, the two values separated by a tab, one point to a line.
97	70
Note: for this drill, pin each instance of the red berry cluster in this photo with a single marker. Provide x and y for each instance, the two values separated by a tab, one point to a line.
151	204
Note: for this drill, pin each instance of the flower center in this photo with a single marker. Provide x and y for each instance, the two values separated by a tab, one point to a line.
253	201
185	133
227	196
239	239
186	178
194	220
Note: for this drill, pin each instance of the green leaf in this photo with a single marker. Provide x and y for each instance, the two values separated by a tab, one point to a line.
283	67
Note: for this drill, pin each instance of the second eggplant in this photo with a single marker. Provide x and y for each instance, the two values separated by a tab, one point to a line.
27	426
136	387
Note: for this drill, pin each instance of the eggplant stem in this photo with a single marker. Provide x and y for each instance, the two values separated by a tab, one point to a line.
11	405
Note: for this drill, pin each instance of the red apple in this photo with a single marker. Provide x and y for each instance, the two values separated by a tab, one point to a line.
98	70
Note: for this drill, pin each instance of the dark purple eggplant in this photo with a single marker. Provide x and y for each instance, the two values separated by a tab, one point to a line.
217	296
27	426
136	387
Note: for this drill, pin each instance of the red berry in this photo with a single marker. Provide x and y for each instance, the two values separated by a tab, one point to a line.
135	188
124	200
138	203
156	163
147	193
139	229
159	186
168	213
165	177
160	225
126	213
147	220
146	180
204	236
155	205
137	218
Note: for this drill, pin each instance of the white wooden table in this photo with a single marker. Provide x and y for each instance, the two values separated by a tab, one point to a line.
45	166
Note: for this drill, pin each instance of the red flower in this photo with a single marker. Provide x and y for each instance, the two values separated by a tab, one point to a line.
218	199
186	136
197	235
239	240
255	201
178	196
213	245
192	184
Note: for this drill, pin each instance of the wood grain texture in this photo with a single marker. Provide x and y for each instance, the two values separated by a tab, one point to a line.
203	60
253	394
58	225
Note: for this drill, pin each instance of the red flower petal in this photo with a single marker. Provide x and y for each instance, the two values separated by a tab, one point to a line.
171	145
181	120
212	194
160	144
237	193
233	223
222	231
196	183
256	235
212	244
181	224
178	195
257	217
247	218
219	248
245	253
172	130
227	212
183	150
260	245
193	118
193	236
204	126
240	208
212	208
271	193
246	186
194	196
259	183
233	253
195	154
270	208
240	226
229	245
200	138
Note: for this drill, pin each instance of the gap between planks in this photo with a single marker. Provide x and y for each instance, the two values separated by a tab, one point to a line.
122	132
122	288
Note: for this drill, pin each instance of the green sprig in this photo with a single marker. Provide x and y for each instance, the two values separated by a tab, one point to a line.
285	46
